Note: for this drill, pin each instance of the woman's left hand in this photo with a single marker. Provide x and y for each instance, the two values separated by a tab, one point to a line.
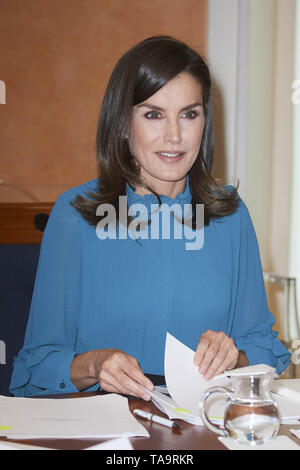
215	353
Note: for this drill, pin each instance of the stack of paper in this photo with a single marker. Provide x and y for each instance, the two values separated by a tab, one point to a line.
101	416
185	386
16	446
121	443
296	432
286	393
289	388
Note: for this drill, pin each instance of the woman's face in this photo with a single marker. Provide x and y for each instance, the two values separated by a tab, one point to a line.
166	132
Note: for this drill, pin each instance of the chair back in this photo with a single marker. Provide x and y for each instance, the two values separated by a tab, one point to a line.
21	226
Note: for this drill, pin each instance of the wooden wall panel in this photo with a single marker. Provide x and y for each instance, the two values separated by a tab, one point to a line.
56	58
18	222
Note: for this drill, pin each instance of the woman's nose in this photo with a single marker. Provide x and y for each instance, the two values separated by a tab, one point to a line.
172	132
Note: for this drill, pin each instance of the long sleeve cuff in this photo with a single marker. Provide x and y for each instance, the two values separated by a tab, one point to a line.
264	349
54	377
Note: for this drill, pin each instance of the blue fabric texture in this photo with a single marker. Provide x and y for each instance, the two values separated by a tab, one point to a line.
93	293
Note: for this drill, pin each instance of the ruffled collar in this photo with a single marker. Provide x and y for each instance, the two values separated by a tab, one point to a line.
148	199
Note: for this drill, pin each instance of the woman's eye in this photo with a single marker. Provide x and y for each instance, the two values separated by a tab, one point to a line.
152	115
191	114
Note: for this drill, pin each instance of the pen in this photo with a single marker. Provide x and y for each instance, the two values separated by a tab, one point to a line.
157	419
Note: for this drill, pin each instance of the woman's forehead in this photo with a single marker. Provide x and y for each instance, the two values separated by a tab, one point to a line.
183	90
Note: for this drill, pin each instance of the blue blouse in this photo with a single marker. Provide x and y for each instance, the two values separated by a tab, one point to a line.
93	293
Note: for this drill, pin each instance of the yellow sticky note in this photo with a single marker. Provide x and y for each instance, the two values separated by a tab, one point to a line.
5	428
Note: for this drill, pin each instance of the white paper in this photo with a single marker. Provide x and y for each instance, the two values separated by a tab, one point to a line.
168	406
289	388
258	369
16	446
161	389
87	417
296	432
113	444
184	382
185	386
279	443
286	392
7	447
289	410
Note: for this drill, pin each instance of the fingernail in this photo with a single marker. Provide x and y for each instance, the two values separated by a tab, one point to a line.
146	396
202	370
208	376
149	387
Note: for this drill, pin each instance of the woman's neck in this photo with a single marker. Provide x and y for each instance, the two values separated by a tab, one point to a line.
164	188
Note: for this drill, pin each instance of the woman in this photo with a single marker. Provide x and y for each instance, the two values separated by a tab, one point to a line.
103	302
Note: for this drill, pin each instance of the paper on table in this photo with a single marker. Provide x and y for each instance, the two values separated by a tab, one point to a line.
289	410
7	447
88	417
113	444
185	386
296	432
286	392
289	388
184	382
279	443
161	389
258	369
16	446
168	406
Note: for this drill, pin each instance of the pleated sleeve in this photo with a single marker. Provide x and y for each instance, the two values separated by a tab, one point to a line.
253	322
43	364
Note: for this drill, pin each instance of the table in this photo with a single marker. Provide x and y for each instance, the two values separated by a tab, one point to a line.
161	438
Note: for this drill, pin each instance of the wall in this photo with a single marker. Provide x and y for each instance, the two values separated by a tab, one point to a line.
251	47
270	137
294	247
227	50
260	111
56	58
282	153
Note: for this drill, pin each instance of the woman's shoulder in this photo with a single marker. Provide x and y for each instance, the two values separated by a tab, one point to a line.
83	190
63	208
242	212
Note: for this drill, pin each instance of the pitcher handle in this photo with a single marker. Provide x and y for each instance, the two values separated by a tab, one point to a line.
202	409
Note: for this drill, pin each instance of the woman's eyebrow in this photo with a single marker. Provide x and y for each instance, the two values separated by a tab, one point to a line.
158	108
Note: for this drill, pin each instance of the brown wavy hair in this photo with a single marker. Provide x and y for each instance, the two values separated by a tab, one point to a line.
139	74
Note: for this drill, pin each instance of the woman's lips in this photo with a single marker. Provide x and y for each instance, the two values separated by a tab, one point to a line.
170	157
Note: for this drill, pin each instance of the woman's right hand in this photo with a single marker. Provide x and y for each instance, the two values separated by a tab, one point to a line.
119	372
